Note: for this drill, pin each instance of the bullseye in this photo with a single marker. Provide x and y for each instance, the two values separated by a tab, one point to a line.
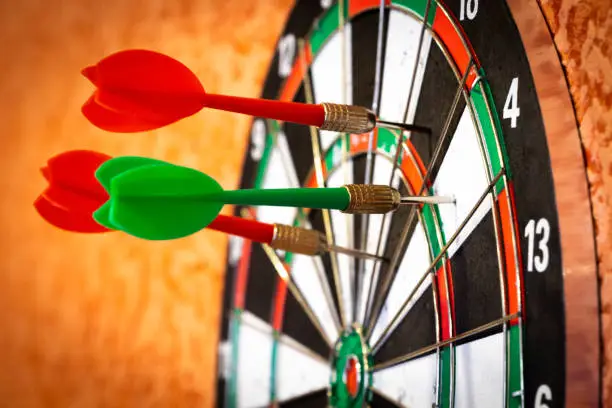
351	365
351	375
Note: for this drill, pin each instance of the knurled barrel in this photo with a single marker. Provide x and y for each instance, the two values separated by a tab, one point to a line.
348	118
371	199
297	240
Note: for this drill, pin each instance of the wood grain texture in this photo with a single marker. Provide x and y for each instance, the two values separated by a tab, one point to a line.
583	35
112	321
573	206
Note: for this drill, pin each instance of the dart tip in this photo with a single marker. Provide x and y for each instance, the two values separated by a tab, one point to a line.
90	73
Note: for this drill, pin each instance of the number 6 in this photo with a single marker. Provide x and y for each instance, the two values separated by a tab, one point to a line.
543	392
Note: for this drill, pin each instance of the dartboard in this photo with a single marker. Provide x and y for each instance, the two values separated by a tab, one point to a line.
476	300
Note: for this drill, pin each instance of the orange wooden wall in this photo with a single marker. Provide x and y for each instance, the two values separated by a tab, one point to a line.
110	320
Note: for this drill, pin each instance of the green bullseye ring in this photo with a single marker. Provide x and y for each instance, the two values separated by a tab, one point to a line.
351	376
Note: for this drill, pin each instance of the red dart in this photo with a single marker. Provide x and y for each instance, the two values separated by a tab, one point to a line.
249	229
73	193
65	219
116	121
141	90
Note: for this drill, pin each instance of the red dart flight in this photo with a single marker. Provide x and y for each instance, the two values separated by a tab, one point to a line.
140	90
73	193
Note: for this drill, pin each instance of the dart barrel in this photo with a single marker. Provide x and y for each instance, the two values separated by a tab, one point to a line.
297	240
371	199
347	118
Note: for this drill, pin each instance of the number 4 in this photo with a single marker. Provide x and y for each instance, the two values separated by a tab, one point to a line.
511	109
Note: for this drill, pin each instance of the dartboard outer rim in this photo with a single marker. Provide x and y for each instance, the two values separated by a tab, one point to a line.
582	331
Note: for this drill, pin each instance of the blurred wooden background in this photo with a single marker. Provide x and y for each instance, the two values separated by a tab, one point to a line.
116	322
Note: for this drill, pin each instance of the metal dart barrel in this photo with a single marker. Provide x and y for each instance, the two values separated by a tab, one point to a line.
347	118
381	199
310	242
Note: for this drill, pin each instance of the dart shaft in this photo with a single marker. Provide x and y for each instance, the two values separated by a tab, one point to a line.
242	227
294	112
329	198
327	116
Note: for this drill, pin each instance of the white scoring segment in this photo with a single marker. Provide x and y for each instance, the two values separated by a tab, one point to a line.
342	226
479	375
332	81
462	175
307	273
410	384
412	268
298	370
402	48
254	368
382	174
280	173
299	373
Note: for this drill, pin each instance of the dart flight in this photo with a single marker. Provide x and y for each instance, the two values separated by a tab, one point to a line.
73	193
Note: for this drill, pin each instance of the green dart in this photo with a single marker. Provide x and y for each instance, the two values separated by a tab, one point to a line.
157	200
105	174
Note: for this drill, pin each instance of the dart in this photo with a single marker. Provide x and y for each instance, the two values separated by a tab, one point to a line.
140	90
73	193
165	201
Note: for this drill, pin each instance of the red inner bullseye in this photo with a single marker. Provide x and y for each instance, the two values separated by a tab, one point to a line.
351	371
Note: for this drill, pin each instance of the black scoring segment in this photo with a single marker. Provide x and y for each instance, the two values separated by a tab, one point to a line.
364	43
297	325
359	169
435	106
416	330
476	279
315	399
300	143
261	284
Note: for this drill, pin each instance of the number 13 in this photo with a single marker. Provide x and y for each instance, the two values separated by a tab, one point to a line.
542	229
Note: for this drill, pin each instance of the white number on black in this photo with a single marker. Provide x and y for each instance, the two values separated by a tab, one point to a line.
258	139
543	395
469	9
539	232
286	52
511	109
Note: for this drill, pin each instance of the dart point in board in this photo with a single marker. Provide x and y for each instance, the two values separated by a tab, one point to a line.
77	200
141	90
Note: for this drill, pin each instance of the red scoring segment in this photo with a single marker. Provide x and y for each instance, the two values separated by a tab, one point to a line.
139	90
